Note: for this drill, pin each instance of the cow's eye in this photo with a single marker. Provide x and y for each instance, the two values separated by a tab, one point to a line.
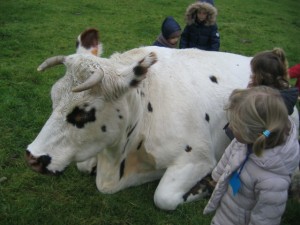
79	117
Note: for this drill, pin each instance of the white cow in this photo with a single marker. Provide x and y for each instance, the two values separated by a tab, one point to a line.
146	114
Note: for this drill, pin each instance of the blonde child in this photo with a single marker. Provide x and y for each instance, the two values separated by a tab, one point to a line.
254	174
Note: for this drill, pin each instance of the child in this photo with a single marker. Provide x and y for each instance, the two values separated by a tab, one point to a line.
89	42
201	30
294	72
254	174
170	33
269	68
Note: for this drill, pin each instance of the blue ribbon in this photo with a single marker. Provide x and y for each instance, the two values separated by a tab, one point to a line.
235	181
266	133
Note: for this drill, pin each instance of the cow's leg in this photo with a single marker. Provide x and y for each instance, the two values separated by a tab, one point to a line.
182	183
88	166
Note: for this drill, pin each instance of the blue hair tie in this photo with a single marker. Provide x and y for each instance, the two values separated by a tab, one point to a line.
266	133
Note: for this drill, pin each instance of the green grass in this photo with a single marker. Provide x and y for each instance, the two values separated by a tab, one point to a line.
32	30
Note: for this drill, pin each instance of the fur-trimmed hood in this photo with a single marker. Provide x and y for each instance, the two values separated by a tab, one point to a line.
191	13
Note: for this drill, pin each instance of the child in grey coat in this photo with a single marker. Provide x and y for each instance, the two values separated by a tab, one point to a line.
254	173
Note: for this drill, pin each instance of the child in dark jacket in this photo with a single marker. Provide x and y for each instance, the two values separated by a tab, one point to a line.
201	30
170	33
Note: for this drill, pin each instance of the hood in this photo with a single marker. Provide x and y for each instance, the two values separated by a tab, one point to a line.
283	159
191	13
170	28
290	97
208	1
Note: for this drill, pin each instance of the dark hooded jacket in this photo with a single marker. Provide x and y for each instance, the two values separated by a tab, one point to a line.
169	29
208	1
201	35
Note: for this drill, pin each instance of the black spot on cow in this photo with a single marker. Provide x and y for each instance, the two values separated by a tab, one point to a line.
142	94
206	117
124	148
188	148
134	83
150	109
120	116
79	117
213	79
140	145
103	128
122	167
118	110
140	70
132	129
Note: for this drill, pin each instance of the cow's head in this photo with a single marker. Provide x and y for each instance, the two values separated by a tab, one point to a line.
86	109
89	42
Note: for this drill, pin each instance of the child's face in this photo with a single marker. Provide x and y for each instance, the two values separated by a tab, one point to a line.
173	40
201	15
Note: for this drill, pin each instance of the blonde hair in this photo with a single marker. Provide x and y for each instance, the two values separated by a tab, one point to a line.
252	111
270	68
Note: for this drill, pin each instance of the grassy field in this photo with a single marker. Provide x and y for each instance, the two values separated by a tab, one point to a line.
32	30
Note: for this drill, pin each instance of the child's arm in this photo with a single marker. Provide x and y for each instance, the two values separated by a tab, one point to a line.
271	197
294	71
215	39
219	169
184	39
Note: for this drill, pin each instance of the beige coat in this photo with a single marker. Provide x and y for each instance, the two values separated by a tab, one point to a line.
264	184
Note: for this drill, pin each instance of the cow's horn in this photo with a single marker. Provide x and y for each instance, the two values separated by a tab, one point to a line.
94	79
53	61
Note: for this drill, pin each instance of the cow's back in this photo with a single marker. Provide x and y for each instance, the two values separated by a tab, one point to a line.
187	90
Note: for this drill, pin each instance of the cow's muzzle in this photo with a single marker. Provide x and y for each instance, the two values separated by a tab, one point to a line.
38	164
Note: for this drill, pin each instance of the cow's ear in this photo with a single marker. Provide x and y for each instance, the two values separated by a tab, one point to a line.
141	69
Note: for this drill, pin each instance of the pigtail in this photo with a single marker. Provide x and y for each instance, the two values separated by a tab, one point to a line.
281	55
283	81
259	145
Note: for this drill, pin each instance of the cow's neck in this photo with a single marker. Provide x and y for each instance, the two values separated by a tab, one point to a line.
132	105
128	156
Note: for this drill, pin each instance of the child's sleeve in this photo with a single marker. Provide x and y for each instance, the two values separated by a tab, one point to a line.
219	169
215	39
184	39
271	196
294	71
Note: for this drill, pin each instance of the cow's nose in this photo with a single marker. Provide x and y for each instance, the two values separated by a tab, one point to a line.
38	164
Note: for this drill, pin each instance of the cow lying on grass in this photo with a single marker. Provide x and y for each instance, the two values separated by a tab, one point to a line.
145	114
